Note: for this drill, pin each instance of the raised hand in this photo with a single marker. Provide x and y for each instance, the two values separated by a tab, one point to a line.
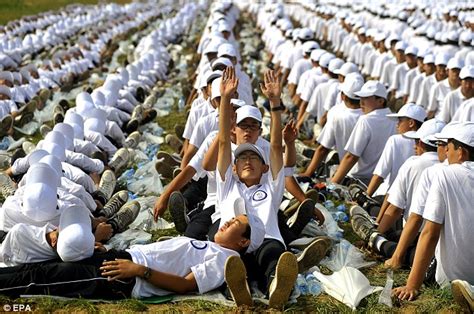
271	87
229	83
290	132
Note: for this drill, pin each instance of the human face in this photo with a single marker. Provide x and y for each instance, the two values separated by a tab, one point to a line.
411	60
453	77
429	68
247	131
404	125
452	153
399	56
467	87
230	235
369	104
249	168
441	150
418	148
441	72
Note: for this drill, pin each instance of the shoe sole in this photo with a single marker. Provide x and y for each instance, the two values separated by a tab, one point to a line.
235	276
285	276
313	254
360	214
177	207
169	159
304	213
461	296
164	169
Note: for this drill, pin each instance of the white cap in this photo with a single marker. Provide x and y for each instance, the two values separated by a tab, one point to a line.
305	33
410	110
316	54
53	149
35	156
467	72
56	137
40	202
249	147
226	50
335	65
224	27
208	76
42	173
429	58
346	68
68	133
78	131
310	46
213	45
325	59
460	131
401	45
216	88
257	228
466	36
72	117
248	111
441	59
455	63
427	131
54	163
237	102
411	50
372	88
6	75
221	61
75	240
353	82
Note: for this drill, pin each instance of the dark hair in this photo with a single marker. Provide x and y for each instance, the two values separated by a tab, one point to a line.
246	234
418	123
469	149
385	102
430	148
353	101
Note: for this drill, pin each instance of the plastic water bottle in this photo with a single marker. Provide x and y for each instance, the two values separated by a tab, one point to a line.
340	216
181	104
314	286
295	294
5	143
329	205
301	284
341	208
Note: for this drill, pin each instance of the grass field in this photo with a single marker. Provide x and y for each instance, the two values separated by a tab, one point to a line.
14	9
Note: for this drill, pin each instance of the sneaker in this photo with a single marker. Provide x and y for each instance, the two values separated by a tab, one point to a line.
313	253
177	209
149	115
140	94
114	204
28	147
165	170
7	186
301	217
137	113
235	276
44	95
107	183
463	294
132	126
6	124
169	159
132	140
362	224
164	238
176	172
23	119
179	130
285	277
125	216
173	141
64	104
44	130
58	114
119	160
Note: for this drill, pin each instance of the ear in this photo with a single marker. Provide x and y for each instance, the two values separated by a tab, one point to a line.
234	168
265	168
244	243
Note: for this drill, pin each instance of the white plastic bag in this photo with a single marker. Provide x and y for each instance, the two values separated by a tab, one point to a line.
345	254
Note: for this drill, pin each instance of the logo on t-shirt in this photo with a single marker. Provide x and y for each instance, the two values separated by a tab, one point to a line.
259	195
199	245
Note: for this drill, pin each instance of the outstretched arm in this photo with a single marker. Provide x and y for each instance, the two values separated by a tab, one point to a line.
228	87
272	90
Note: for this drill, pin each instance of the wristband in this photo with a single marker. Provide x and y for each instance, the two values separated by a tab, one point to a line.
279	108
147	274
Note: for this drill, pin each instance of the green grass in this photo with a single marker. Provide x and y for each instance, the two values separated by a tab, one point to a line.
14	9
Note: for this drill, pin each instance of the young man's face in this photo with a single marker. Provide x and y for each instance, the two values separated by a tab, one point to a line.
369	104
247	131
454	155
411	60
418	147
429	68
249	167
453	76
467	87
441	150
404	125
441	71
230	235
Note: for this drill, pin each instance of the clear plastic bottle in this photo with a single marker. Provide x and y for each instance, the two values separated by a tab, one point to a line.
314	286
301	284
329	205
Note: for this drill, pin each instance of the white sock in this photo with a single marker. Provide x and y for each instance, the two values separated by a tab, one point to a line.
379	240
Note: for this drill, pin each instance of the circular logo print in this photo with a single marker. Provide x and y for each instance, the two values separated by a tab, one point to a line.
259	195
198	245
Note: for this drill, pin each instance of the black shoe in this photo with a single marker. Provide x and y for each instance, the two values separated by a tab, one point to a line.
114	204
301	217
177	209
125	216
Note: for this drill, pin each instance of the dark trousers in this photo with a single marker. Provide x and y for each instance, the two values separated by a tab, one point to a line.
261	264
388	248
79	279
200	223
195	193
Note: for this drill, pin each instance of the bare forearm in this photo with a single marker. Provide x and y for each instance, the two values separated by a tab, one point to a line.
293	187
290	154
189	153
276	151
408	236
384	207
346	165
374	184
209	161
319	155
180	181
391	215
170	282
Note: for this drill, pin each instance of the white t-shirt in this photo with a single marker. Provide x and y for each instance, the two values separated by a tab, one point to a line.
437	94
180	256
401	191
262	200
449	203
301	66
316	102
338	128
397	150
195	114
451	103
367	141
204	126
26	244
465	112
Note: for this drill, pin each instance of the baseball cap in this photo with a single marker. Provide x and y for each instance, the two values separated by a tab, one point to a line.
325	59
346	68
237	102
39	204
4	90
335	64
429	58
441	59
410	110
446	130
411	50
427	131
221	61
248	147
216	88
462	132
305	33
372	88
257	228
75	240
401	45
467	72
316	54
43	173
248	111
455	63
226	50
309	46
352	83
